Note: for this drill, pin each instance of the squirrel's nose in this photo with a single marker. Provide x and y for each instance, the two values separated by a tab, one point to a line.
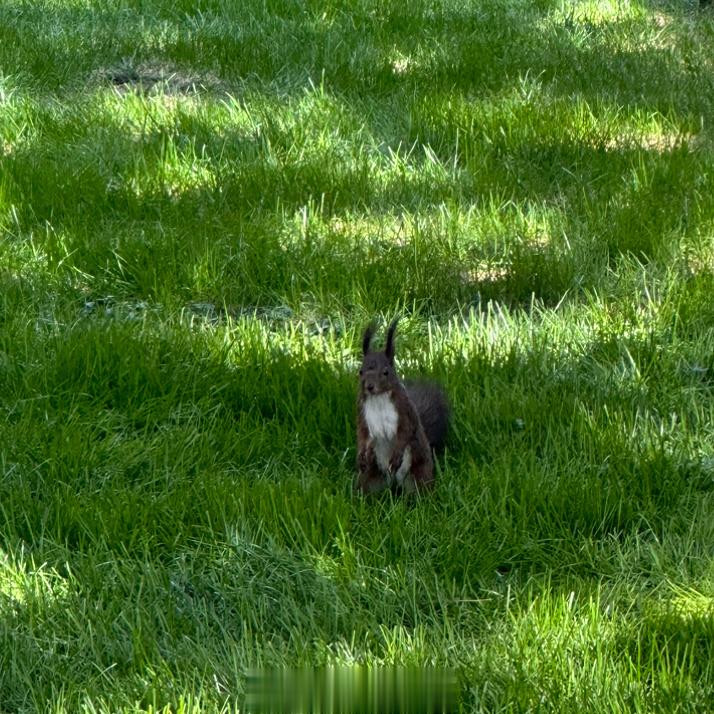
369	386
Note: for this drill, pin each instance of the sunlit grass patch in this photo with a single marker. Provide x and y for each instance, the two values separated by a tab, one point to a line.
20	584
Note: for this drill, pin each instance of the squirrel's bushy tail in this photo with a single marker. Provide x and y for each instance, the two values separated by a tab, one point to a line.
433	410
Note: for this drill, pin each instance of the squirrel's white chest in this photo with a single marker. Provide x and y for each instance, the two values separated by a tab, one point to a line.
382	421
380	416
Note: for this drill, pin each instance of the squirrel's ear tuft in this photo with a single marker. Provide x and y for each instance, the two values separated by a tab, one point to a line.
367	338
389	345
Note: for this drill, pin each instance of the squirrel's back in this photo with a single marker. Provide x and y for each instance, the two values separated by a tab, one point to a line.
433	410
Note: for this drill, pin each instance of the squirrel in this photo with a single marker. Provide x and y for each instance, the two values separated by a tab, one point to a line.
398	425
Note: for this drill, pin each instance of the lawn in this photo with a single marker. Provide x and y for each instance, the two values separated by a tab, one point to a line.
204	202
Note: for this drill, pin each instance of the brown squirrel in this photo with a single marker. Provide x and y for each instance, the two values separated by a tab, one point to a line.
397	425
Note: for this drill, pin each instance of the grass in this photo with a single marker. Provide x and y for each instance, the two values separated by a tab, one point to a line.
201	206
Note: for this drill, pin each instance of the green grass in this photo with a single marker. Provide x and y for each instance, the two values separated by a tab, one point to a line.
202	204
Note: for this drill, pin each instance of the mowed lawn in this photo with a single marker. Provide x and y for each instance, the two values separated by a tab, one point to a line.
202	205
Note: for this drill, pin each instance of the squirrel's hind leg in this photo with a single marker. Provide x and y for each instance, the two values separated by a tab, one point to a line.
421	476
371	480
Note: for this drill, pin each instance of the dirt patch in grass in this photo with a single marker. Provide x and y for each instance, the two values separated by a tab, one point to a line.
149	77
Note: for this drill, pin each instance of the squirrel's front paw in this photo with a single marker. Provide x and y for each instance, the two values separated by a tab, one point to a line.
363	459
396	461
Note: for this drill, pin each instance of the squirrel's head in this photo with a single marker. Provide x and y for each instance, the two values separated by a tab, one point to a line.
377	375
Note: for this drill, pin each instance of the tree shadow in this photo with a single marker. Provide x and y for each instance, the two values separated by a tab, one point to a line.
238	239
111	403
435	61
415	46
197	436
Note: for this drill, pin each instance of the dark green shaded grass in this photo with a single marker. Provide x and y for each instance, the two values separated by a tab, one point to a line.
166	487
590	503
202	205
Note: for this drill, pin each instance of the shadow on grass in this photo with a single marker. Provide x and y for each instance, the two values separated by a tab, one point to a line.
546	445
359	47
192	498
234	238
119	441
145	630
229	227
612	198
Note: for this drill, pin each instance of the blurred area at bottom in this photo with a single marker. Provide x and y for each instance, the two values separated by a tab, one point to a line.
351	690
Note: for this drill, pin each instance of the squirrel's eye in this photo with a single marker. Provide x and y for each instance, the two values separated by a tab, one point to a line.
386	373
361	372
